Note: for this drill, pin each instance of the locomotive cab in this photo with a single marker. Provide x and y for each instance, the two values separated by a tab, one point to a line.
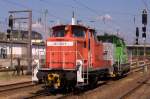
74	31
64	46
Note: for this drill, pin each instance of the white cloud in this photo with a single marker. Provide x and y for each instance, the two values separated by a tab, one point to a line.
105	17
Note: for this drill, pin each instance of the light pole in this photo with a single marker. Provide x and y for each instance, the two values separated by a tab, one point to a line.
29	42
10	24
144	22
50	30
45	19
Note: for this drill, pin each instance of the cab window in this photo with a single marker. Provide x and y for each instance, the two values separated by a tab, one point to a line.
78	32
59	32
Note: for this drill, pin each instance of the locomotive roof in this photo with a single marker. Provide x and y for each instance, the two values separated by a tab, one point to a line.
110	38
91	29
59	26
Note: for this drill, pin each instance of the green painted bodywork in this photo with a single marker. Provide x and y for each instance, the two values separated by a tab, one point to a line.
120	52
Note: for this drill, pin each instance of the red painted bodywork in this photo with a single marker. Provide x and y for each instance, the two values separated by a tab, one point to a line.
86	48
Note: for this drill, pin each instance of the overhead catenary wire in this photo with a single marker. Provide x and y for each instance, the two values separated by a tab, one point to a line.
64	4
73	7
104	12
92	10
27	7
88	8
48	2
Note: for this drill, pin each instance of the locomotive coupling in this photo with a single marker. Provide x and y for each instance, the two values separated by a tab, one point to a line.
54	80
112	74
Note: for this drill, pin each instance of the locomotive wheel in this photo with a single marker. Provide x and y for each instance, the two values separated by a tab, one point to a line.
40	81
93	81
67	86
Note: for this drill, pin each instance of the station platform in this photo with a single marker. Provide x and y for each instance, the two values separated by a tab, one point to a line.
8	78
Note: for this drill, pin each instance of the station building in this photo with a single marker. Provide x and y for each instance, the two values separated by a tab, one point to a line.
18	44
138	50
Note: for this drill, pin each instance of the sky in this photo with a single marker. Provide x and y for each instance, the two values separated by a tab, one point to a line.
112	16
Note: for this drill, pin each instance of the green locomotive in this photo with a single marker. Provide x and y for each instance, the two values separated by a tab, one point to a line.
118	53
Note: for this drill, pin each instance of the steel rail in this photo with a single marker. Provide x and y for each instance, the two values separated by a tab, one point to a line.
15	86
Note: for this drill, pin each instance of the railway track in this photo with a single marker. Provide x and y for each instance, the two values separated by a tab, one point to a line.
60	94
141	83
15	86
37	95
41	94
76	92
122	89
55	94
50	95
135	88
64	95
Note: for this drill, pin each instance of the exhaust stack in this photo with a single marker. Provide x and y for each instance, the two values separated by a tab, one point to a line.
73	19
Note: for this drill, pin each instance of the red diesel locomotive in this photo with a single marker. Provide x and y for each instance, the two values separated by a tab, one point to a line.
74	57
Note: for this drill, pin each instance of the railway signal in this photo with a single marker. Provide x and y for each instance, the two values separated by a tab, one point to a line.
10	22
137	36
137	32
137	41
9	36
8	33
144	17
144	32
144	36
144	29
144	22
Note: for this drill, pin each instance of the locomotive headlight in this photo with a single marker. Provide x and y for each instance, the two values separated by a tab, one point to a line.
54	80
50	77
